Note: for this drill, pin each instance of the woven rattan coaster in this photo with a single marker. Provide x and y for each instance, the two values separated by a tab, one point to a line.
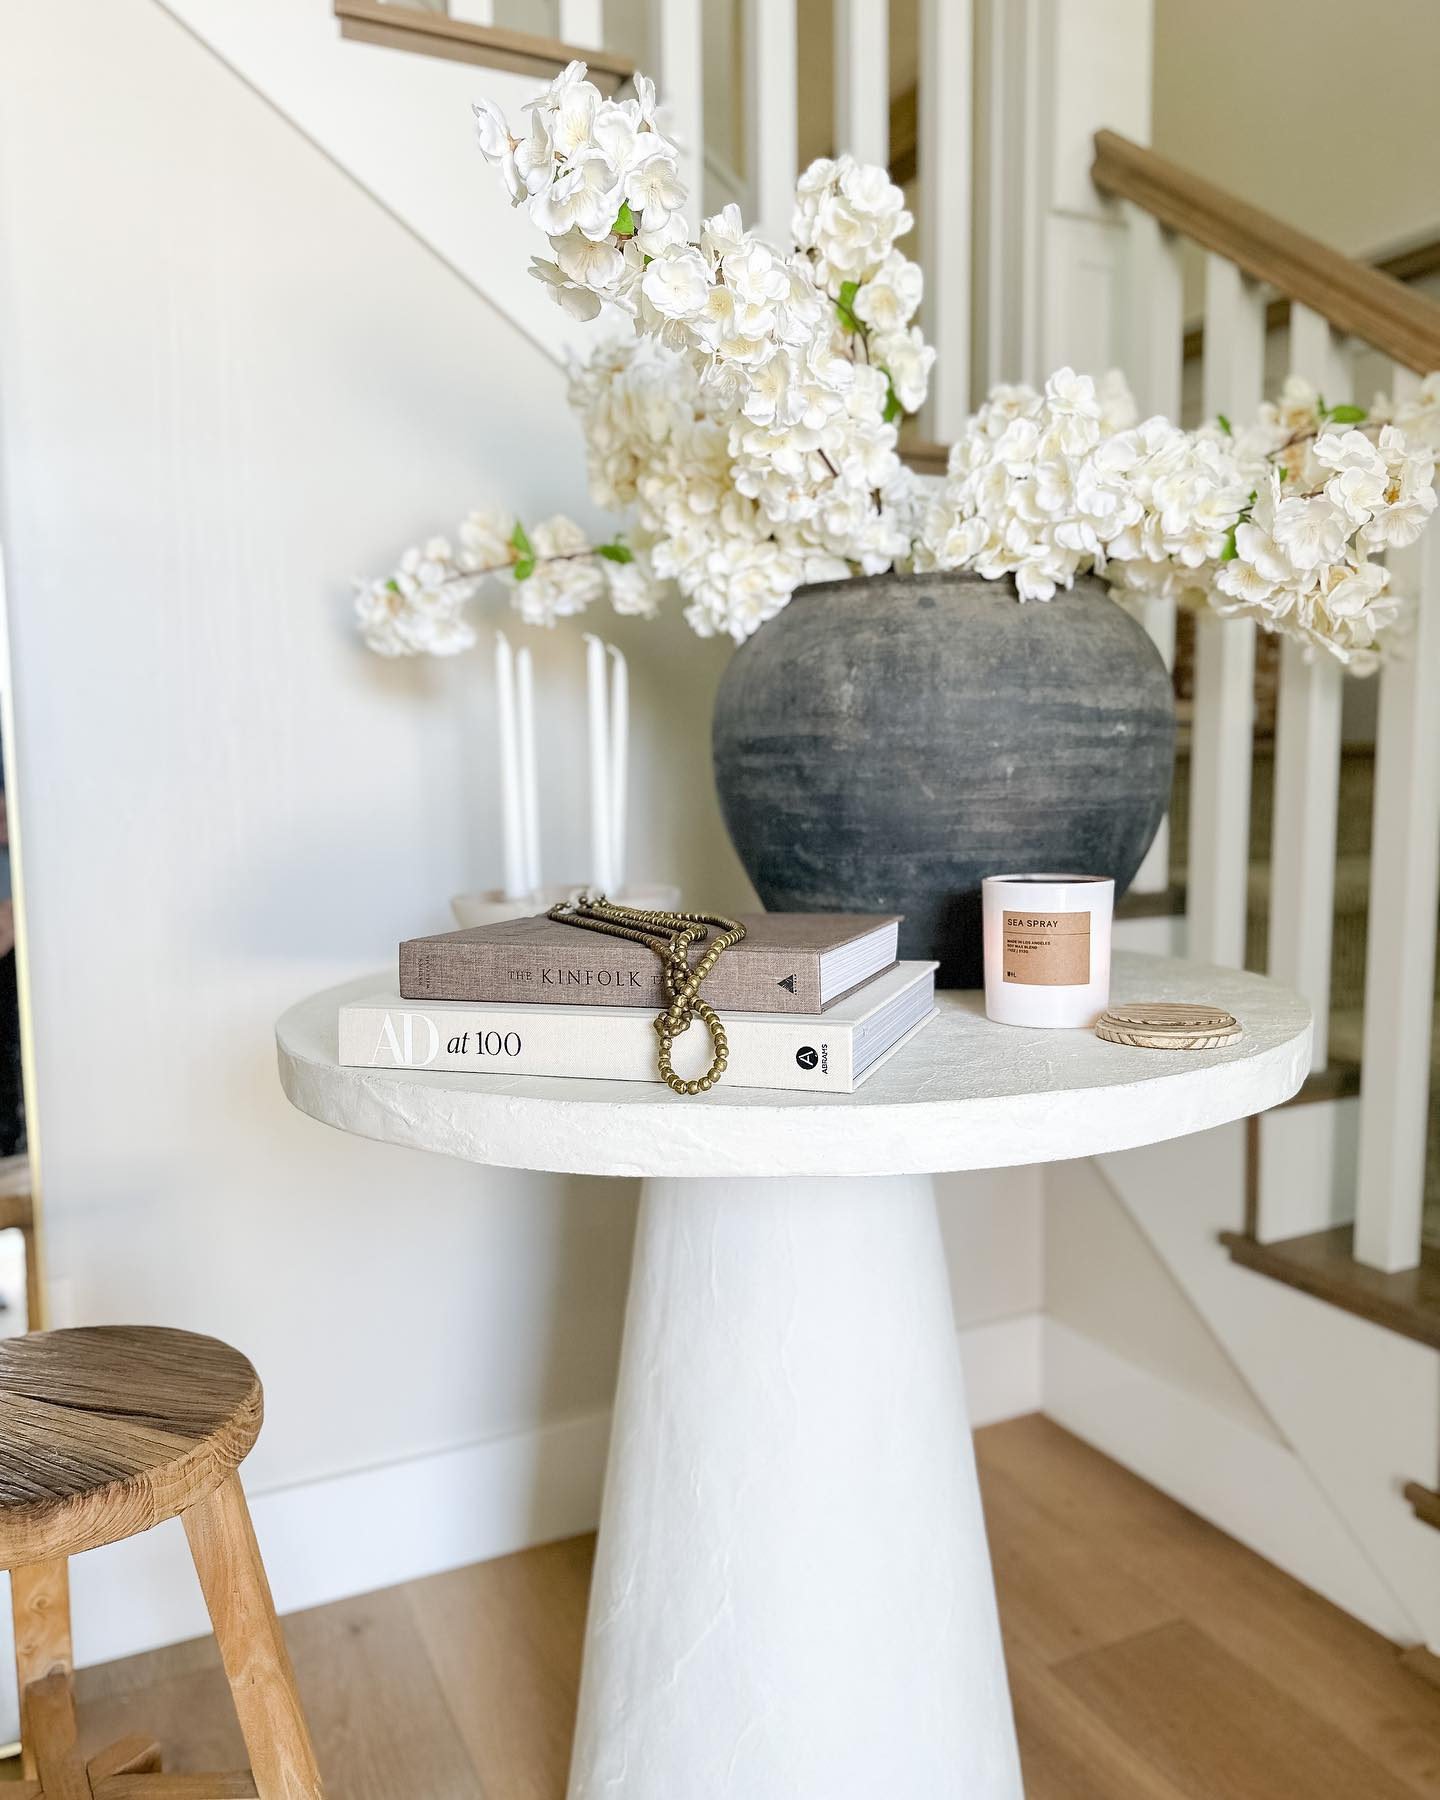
1162	1025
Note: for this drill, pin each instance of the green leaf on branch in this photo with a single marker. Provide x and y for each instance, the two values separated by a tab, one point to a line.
1224	424
393	585
845	306
521	544
893	408
1346	415
524	569
616	552
624	225
1229	553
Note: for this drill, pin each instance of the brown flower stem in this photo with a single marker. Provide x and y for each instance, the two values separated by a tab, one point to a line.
500	568
1308	436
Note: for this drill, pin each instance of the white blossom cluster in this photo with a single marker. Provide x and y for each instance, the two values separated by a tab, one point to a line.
419	610
656	447
782	372
750	423
1285	430
1043	486
1302	556
1279	522
1330	487
552	571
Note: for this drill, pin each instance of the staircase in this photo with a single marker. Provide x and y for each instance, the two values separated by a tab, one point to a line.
1268	1345
1319	863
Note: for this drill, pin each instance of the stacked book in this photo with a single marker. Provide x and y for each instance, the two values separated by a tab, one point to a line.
810	1001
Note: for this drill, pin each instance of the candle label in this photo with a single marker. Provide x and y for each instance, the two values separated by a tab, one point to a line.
1047	949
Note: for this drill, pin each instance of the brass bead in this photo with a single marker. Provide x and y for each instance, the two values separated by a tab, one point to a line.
672	936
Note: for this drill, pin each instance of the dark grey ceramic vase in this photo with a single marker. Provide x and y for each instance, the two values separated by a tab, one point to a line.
885	743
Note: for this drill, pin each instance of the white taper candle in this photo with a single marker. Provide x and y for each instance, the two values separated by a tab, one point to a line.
598	699
529	783
509	767
619	762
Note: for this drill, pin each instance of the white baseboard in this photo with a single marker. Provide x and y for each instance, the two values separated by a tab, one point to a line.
326	1540
1252	1487
329	1539
1002	1361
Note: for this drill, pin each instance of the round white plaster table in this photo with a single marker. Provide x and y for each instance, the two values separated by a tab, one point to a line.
792	1596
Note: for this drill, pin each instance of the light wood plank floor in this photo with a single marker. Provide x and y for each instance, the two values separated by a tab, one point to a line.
1152	1658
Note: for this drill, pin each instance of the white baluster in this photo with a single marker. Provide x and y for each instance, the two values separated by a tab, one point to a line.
1221	747
862	79
582	23
771	102
1400	946
1157	350
675	26
1307	758
1298	1189
1008	294
472	12
946	87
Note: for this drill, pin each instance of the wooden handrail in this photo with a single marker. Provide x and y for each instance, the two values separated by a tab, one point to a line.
1355	299
1404	265
433	34
1413	263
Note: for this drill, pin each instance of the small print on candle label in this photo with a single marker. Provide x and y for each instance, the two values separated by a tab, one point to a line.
1047	949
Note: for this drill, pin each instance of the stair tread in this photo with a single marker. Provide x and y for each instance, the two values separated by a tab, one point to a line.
396	27
1322	1264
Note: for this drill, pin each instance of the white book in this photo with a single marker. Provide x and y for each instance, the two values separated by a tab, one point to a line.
825	1053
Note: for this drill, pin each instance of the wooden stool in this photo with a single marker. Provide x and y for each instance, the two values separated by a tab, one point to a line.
105	1432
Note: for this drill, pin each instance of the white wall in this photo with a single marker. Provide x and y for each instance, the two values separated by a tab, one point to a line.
229	380
1106	1282
1320	111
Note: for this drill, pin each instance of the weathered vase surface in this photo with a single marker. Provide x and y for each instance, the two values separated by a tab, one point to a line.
884	744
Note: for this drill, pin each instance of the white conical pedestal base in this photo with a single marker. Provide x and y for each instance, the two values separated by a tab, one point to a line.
792	1595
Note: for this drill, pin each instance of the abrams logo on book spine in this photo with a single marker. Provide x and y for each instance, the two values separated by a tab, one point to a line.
417	1043
808	1057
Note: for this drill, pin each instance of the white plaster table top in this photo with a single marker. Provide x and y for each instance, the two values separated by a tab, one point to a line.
964	1094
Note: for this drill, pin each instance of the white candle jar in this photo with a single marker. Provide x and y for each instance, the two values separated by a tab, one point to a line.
1047	948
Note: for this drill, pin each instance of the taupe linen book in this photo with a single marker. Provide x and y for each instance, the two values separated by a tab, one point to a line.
786	963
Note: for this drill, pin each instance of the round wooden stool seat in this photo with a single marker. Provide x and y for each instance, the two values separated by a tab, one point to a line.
108	1430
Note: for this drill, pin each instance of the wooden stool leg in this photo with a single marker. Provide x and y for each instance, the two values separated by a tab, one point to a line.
40	1602
227	1560
49	1713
